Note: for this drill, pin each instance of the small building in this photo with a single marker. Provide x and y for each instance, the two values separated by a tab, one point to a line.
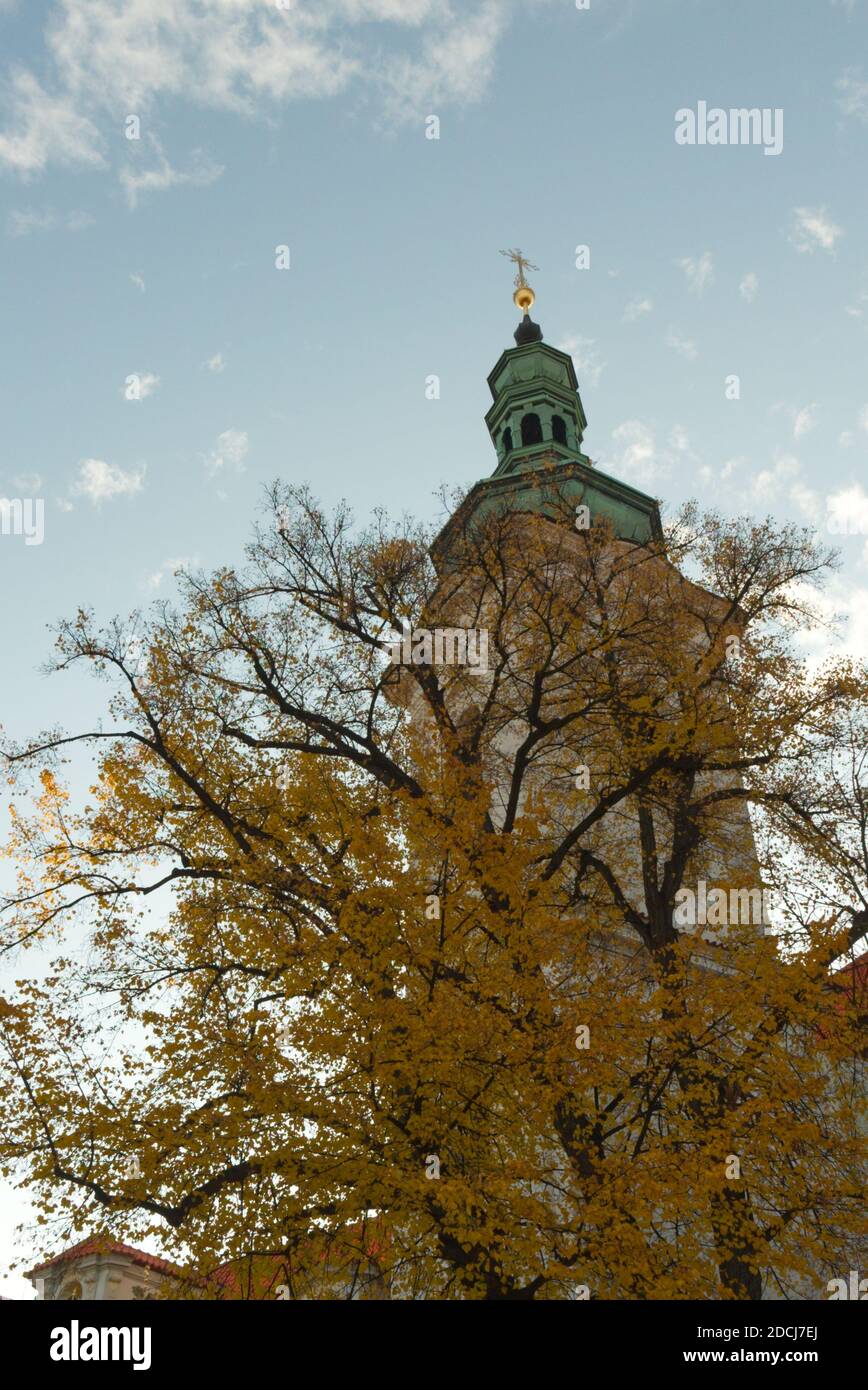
101	1270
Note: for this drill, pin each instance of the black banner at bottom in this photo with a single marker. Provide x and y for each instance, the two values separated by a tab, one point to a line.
280	1338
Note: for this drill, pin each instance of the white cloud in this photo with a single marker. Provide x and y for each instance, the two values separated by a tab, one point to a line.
843	627
169	568
100	481
139	385
455	65
707	473
863	418
781	485
857	310
853	100
804	420
847	509
216	363
79	221
25	221
28	484
46	130
685	346
812	228
246	56
230	451
164	175
639	457
749	286
586	358
124	54
699	273
138	281
806	501
768	484
636	308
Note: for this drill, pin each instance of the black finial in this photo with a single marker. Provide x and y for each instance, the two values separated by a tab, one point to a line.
527	332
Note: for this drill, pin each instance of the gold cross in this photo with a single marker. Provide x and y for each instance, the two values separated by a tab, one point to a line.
523	264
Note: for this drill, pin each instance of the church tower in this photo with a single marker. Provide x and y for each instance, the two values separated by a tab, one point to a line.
536	423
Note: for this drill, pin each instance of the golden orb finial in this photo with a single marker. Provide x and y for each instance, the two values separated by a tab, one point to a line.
524	296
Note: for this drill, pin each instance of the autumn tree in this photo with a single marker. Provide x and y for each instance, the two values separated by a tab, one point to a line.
368	974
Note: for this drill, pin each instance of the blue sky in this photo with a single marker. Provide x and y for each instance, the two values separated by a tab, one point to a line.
262	126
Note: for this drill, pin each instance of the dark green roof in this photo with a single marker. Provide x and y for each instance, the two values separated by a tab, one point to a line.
535	386
550	489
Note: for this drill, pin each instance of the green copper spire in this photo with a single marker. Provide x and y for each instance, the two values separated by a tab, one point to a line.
536	423
537	412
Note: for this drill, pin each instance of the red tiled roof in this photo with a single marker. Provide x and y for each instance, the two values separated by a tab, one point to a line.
851	986
335	1245
857	969
225	1274
98	1245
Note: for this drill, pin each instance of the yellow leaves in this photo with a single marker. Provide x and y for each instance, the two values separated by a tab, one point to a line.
291	1011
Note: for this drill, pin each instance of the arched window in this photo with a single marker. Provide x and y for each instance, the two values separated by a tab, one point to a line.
531	430
559	430
71	1291
507	441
